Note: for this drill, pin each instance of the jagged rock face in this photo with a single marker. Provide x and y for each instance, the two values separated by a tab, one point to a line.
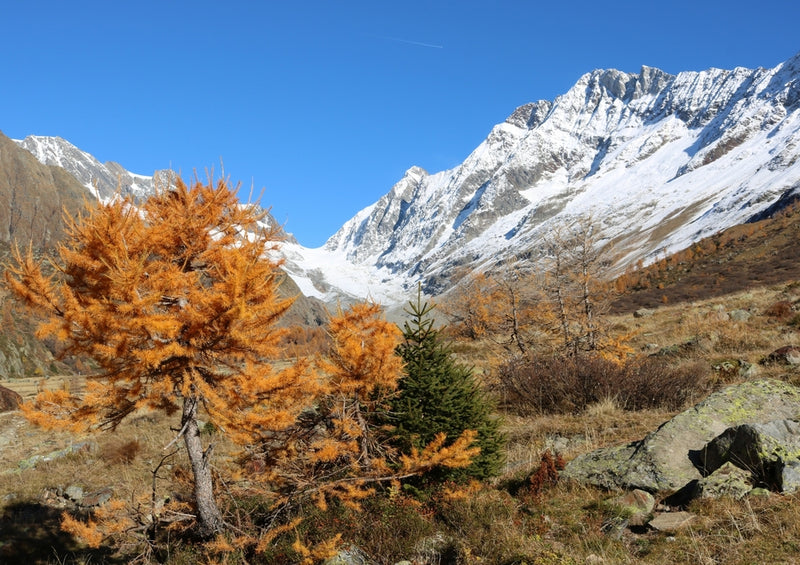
658	160
104	180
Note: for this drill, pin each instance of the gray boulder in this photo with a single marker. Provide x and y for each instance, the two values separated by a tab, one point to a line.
350	555
728	480
770	451
740	315
661	461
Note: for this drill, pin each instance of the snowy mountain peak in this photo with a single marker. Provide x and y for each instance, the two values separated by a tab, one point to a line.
103	180
659	160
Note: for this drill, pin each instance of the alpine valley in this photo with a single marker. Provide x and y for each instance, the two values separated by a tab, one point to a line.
658	161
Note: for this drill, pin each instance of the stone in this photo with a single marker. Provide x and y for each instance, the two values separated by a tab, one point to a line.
732	368
643	313
769	450
97	498
728	480
759	492
80	447
9	400
350	555
787	355
74	493
614	527
430	549
740	315
671	522
660	462
637	505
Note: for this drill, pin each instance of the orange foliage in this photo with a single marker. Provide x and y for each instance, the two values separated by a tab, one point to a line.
339	449
362	356
171	301
177	303
299	341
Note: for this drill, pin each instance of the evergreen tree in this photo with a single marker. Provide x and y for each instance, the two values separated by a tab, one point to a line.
439	395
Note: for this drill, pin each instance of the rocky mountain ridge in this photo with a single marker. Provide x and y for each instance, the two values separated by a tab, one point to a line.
658	160
102	179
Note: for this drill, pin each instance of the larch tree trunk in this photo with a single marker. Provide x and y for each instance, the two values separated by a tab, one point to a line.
208	515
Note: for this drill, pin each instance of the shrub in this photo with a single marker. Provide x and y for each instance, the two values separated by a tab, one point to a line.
565	384
116	452
545	476
781	310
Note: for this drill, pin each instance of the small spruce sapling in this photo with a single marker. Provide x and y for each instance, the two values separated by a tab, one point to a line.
439	395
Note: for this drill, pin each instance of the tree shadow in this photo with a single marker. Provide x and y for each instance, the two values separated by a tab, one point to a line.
30	534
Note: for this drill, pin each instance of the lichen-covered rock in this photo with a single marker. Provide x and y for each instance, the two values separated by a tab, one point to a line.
350	555
637	505
80	447
740	315
661	461
728	480
770	451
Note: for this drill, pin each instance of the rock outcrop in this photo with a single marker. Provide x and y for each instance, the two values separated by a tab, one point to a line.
671	458
769	451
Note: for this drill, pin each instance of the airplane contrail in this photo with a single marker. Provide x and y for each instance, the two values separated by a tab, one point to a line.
410	42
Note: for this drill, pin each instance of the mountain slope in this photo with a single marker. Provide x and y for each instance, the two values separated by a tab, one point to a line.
35	193
33	197
657	160
102	179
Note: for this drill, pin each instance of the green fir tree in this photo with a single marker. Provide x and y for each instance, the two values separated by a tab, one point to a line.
438	394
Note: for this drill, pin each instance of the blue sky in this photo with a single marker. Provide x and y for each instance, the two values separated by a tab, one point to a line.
325	104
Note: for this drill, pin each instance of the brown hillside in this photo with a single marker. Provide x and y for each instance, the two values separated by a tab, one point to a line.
742	257
33	197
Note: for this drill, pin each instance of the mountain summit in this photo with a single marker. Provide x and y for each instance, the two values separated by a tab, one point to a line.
658	160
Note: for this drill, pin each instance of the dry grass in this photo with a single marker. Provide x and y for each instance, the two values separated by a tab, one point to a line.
495	523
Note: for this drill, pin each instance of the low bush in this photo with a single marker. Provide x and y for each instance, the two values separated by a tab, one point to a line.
781	310
561	384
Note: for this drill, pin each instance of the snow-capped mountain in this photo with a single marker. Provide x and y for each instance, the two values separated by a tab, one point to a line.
102	179
657	160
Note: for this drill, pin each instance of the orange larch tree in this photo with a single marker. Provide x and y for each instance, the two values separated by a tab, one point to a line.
176	301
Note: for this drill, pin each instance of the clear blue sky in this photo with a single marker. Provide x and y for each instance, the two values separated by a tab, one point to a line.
324	104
